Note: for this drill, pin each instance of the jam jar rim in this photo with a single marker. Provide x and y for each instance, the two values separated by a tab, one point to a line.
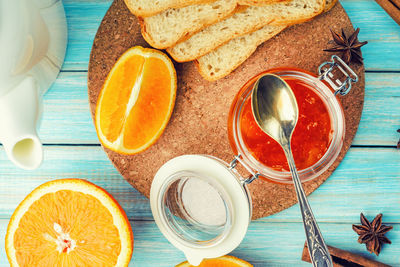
335	110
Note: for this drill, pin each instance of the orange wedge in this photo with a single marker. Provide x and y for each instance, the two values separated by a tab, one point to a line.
136	101
224	261
69	222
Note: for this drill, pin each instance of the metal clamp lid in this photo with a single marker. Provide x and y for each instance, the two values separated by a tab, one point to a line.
252	177
325	73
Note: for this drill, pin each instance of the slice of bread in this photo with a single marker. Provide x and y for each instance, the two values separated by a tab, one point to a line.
243	21
175	24
223	60
258	2
295	11
202	42
329	4
146	8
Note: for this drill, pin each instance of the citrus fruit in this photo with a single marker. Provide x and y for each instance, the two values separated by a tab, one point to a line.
136	101
69	222
224	261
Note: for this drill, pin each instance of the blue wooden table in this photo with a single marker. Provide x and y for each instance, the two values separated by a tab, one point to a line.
368	179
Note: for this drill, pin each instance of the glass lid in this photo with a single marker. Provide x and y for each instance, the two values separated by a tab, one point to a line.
201	206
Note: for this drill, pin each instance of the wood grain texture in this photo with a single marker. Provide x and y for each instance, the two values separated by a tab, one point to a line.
340	256
66	118
366	181
199	122
266	244
382	33
392	8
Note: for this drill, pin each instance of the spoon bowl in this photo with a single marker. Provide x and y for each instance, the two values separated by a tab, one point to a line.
275	107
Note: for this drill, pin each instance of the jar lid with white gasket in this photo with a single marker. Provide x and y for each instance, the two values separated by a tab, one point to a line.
202	204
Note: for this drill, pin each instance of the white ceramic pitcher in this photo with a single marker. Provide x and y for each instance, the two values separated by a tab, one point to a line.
33	38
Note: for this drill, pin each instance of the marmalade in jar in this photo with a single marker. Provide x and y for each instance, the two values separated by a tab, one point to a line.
311	137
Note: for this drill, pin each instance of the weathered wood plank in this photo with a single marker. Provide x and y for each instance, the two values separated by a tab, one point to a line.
381	113
381	32
376	26
266	244
83	18
89	163
366	181
67	119
66	116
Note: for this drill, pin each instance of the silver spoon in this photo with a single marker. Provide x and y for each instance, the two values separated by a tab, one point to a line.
275	110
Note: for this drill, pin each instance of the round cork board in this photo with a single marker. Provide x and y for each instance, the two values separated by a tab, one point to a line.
199	121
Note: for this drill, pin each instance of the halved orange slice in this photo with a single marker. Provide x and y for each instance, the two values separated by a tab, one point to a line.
224	261
136	101
69	222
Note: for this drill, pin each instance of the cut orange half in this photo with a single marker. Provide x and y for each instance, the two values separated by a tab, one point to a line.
136	101
224	261
69	222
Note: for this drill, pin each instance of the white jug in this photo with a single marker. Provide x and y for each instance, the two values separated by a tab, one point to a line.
33	39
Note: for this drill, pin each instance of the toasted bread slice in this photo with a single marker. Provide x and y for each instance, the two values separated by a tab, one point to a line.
295	11
175	24
223	60
146	8
243	21
329	4
258	2
202	42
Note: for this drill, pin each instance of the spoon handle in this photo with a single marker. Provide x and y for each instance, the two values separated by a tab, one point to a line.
316	245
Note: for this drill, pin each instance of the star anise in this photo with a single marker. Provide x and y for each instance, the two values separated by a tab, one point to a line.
372	234
349	46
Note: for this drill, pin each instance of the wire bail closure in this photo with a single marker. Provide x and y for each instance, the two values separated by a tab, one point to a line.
235	162
325	73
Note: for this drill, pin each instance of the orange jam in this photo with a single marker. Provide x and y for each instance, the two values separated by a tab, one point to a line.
311	138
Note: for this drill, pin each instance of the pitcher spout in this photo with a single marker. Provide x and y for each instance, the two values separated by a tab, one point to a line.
19	115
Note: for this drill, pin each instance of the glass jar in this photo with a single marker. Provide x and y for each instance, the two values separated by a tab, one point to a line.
202	204
335	112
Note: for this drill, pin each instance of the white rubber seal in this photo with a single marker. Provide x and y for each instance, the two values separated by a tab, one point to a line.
235	192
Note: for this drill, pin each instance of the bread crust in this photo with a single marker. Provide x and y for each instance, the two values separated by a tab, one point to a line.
140	12
259	2
330	5
303	19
